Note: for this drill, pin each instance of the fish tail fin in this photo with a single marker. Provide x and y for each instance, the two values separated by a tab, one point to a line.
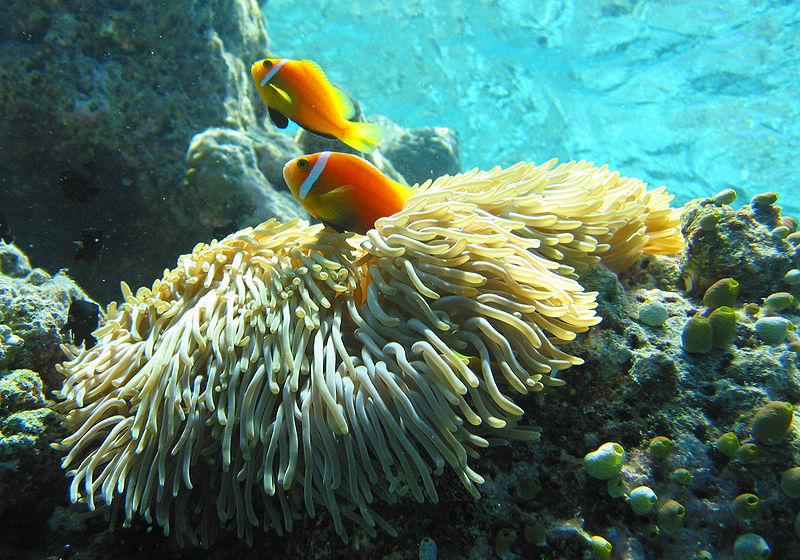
364	137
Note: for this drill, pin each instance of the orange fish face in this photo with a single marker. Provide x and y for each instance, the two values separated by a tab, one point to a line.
265	70
297	171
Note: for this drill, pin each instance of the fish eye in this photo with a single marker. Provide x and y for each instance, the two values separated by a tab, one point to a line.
267	65
302	164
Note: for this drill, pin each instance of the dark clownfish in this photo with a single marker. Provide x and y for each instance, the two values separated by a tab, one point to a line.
298	90
343	190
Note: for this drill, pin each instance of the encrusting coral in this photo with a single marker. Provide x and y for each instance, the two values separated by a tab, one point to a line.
288	368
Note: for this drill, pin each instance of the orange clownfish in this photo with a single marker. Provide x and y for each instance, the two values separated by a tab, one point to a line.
298	90
344	191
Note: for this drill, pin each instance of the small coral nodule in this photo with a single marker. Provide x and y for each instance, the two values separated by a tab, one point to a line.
605	462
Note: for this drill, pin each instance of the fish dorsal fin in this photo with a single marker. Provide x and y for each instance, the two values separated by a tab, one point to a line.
341	100
282	94
343	103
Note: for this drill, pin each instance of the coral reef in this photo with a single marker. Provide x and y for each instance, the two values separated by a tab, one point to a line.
95	88
33	312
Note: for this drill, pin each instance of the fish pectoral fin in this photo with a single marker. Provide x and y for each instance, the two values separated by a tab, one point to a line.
278	119
281	93
335	206
338	193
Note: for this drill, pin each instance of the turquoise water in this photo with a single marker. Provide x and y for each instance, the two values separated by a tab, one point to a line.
688	94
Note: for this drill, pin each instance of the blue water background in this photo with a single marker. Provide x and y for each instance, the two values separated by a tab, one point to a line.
696	95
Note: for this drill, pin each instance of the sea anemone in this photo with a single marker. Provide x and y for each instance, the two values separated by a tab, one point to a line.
288	367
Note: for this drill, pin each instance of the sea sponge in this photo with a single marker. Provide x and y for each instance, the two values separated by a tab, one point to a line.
728	444
773	330
604	462
697	336
642	500
660	447
722	292
723	326
288	368
772	422
790	482
601	548
746	507
670	515
751	547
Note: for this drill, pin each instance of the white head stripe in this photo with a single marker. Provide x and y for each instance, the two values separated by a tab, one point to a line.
316	171
273	71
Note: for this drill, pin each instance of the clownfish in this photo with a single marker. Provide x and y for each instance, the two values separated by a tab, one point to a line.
298	90
344	191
